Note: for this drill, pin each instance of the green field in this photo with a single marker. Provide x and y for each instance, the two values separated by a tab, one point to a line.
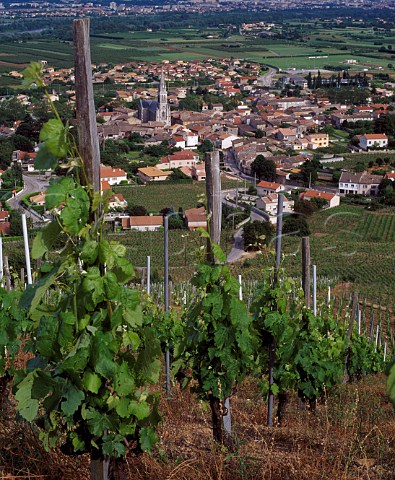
156	196
348	243
336	45
352	159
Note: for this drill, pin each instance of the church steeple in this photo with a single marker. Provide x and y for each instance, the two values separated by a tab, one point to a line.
163	111
162	93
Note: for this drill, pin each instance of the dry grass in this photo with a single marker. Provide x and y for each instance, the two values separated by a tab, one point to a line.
350	437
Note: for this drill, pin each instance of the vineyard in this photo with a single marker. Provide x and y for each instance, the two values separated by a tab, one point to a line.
156	196
349	244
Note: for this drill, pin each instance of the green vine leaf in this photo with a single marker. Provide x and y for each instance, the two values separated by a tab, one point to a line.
91	382
73	398
45	239
32	74
45	160
27	406
148	438
54	134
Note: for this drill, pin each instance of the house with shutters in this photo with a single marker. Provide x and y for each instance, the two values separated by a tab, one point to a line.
265	188
114	176
373	140
331	199
362	183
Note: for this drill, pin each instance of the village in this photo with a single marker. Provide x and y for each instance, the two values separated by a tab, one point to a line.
269	136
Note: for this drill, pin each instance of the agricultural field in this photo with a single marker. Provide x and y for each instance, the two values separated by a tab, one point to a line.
184	251
156	196
352	159
318	48
348	243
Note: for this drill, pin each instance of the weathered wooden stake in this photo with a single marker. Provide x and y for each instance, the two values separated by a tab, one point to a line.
85	107
355	305
214	213
213	192
272	346
88	144
240	288
306	269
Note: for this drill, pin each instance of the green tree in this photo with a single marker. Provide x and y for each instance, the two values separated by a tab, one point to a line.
297	226
206	146
12	177
264	168
256	234
10	111
309	172
136	210
16	229
359	167
191	102
6	149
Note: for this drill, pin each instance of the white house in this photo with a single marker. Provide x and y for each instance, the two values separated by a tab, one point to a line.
225	140
117	201
332	199
114	176
373	140
359	183
265	188
269	204
147	223
184	158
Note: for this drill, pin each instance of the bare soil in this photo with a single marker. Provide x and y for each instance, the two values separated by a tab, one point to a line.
350	437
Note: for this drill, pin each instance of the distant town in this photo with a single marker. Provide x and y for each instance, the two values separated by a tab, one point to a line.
65	8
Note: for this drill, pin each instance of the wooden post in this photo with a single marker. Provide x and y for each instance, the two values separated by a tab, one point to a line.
272	346
100	469
213	192
306	269
355	306
88	144
85	107
214	212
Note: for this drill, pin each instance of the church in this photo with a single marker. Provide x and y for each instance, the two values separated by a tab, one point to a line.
156	110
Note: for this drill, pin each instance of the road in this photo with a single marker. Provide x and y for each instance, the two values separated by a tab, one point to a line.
238	247
267	79
32	184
